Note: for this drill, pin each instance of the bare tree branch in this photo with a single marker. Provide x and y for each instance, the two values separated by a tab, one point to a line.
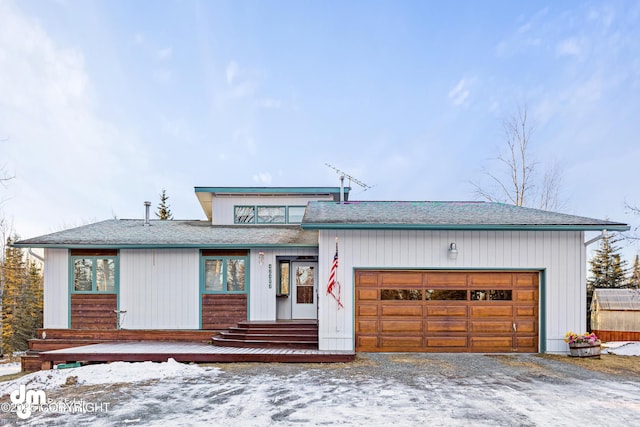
632	235
550	192
516	182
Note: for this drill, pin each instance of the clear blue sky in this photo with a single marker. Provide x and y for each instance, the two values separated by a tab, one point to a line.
105	103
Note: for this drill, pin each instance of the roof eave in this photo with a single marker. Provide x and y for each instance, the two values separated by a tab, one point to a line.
271	190
474	227
163	246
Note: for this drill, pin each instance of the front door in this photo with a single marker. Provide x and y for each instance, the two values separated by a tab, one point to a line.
304	276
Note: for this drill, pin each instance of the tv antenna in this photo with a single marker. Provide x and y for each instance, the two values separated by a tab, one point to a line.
351	179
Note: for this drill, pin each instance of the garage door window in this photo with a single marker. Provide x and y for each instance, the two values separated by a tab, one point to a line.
401	294
491	295
446	295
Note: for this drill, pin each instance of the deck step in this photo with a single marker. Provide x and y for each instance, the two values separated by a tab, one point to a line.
246	343
268	337
278	325
287	334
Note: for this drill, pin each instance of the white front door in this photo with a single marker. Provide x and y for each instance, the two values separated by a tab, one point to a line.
304	290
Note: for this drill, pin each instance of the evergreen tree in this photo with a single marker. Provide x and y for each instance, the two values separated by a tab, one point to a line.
13	268
164	212
608	270
29	315
634	280
22	300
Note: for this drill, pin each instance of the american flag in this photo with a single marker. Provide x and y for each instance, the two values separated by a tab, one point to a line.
334	288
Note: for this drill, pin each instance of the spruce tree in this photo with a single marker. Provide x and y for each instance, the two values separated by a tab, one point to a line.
13	269
22	301
164	213
608	270
29	314
634	280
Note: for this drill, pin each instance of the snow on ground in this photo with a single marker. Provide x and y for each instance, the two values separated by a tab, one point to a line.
111	373
622	348
382	390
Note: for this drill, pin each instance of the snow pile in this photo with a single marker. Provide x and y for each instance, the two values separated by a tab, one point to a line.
622	348
111	373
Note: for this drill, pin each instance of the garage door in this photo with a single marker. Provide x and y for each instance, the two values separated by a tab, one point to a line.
431	311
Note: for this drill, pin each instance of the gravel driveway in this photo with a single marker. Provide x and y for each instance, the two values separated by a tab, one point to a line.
375	390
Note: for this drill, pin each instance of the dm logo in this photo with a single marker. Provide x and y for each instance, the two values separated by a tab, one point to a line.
24	399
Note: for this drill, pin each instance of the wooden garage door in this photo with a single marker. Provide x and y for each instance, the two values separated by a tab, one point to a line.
431	311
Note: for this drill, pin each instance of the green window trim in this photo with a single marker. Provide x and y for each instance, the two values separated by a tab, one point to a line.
224	274
99	271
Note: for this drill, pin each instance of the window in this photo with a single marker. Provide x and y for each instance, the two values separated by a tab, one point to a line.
446	295
401	294
283	278
225	274
491	295
244	214
295	214
94	271
271	214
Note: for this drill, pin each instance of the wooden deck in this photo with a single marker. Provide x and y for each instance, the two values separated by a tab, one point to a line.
187	352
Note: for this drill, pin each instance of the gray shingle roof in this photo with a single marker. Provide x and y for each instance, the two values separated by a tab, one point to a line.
132	233
450	215
617	299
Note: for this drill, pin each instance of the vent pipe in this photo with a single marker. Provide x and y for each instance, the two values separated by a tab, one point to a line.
341	189
146	213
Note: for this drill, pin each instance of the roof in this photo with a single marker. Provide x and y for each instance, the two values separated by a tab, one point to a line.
617	299
444	215
205	194
132	233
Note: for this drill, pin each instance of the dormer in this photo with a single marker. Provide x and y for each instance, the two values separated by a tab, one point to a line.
262	205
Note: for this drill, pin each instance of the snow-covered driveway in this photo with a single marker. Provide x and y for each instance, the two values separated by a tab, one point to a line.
376	390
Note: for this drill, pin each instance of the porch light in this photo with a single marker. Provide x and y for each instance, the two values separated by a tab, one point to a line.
261	257
453	251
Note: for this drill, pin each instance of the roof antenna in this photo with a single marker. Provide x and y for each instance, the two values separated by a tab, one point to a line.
342	177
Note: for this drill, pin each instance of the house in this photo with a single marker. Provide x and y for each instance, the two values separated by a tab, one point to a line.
411	275
615	314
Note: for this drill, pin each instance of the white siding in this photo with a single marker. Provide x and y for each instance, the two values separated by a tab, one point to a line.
262	291
560	256
223	211
160	288
56	288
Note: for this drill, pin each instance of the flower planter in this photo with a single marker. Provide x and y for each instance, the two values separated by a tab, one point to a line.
585	350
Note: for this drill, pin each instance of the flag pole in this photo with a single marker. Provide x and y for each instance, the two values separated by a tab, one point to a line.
337	324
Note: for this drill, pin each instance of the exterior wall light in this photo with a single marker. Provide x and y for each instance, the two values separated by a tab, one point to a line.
453	251
261	257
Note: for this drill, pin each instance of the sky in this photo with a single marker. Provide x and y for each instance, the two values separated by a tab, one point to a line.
103	104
